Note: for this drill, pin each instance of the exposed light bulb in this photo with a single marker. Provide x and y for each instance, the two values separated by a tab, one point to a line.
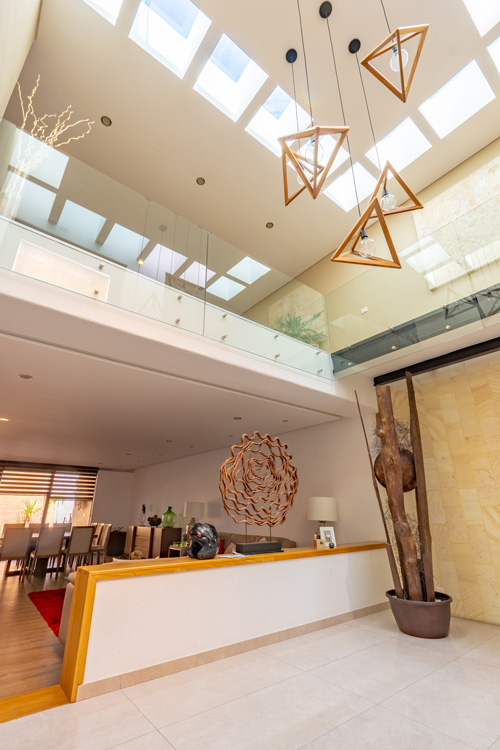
388	201
395	58
309	151
367	246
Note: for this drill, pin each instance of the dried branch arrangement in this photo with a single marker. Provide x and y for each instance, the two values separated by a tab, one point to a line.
258	483
50	128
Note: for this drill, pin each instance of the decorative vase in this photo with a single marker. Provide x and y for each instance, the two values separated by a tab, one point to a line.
168	518
422	619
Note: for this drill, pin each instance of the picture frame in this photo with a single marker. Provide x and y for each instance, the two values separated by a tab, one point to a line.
328	535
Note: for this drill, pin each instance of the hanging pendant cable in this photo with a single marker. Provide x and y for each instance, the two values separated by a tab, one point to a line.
369	115
305	63
295	99
385	14
343	113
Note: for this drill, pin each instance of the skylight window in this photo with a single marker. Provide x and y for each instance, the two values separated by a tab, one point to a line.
248	270
401	146
171	31
45	163
230	79
109	9
225	288
342	189
494	50
80	224
277	116
124	245
484	13
456	101
198	274
325	147
428	258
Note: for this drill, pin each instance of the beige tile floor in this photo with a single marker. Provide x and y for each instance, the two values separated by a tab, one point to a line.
356	686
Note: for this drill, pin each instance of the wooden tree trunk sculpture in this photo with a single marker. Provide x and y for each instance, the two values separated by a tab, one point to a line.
405	542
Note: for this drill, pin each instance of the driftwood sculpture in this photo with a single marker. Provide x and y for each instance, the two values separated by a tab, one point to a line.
258	483
414	579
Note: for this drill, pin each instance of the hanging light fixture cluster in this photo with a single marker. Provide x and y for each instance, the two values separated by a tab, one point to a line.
312	169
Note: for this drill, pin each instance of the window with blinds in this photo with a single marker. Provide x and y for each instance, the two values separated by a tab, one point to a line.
63	483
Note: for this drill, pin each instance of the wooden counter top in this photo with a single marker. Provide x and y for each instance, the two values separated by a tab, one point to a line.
110	571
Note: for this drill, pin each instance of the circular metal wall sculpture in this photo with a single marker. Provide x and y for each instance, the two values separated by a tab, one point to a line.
258	483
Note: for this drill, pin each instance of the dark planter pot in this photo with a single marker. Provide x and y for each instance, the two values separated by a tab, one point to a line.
422	619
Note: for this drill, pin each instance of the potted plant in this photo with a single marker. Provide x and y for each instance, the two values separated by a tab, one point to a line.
417	608
28	510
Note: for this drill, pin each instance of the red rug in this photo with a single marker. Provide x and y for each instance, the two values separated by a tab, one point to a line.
50	605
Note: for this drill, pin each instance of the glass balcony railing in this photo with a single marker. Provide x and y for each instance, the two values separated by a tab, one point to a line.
449	284
66	224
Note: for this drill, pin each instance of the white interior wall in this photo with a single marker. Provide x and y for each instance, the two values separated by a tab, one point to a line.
113	497
331	460
17	30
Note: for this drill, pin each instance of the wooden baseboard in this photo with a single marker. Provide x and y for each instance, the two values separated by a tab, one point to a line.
100	687
31	703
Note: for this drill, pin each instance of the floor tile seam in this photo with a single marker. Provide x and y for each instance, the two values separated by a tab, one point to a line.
337	658
429	727
477	661
367	629
352	718
227	703
154	729
379	702
487	640
494	742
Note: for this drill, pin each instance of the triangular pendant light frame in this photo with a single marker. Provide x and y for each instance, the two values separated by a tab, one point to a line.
396	38
347	253
382	183
302	165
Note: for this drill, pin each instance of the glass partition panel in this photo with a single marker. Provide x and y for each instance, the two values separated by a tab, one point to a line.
66	224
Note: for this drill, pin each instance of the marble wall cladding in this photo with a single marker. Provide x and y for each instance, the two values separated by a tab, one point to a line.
459	410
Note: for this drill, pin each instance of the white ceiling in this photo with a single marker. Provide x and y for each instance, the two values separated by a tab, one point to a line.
164	135
89	411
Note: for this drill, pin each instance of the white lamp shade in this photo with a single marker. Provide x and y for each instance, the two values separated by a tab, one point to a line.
322	509
195	510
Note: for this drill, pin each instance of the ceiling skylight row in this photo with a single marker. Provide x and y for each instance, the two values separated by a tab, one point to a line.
172	30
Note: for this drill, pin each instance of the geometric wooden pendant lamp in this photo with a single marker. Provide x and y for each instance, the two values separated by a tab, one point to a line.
392	44
308	166
382	183
352	249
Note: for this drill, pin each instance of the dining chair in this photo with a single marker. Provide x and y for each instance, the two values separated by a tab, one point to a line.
35	527
102	547
15	546
97	533
14	526
129	541
49	544
79	545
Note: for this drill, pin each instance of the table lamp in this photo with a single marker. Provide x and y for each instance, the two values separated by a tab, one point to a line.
321	509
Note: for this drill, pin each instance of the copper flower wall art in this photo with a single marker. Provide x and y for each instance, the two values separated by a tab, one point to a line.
258	483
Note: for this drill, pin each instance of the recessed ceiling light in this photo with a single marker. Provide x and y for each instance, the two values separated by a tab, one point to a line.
162	228
106	121
200	180
3	419
269	225
26	377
